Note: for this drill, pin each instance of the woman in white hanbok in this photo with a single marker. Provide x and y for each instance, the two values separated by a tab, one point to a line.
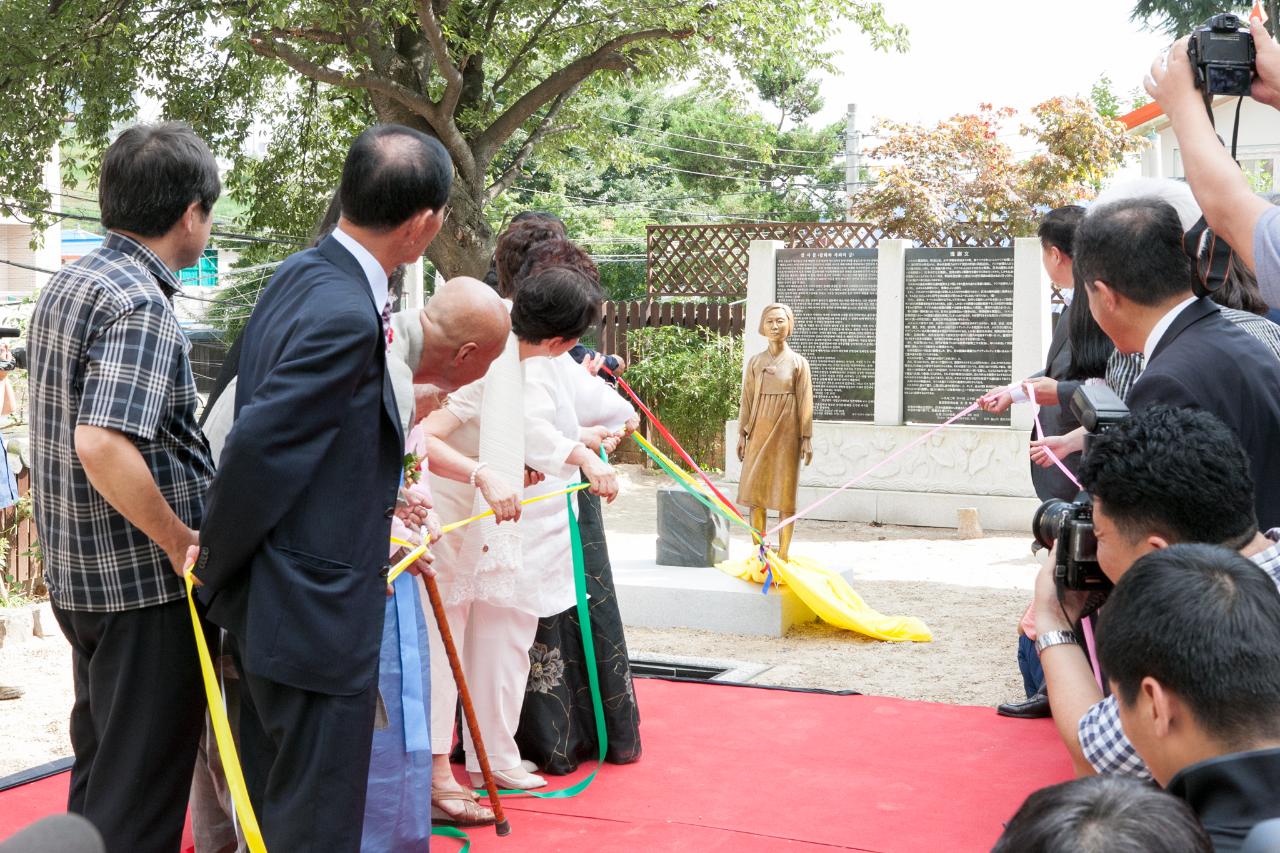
497	579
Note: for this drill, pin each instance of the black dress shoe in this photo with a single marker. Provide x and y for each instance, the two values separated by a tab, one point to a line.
1032	709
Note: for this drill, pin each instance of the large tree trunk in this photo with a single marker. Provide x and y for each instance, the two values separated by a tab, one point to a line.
465	243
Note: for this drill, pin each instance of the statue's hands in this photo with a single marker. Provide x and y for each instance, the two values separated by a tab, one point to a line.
806	450
742	447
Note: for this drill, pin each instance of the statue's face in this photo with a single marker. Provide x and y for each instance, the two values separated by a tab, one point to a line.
776	325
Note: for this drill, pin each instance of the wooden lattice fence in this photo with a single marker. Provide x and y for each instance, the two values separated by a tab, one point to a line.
711	260
621	317
21	565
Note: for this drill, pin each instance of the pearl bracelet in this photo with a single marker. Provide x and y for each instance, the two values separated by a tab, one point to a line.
474	471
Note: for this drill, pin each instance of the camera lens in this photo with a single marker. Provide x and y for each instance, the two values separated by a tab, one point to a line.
1048	520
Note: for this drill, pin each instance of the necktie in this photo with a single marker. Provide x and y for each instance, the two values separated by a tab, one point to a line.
386	322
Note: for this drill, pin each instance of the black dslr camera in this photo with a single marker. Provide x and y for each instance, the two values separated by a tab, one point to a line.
18	355
1222	56
1067	527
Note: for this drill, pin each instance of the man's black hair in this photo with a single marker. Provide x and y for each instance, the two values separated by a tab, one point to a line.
1176	473
1058	228
1135	247
150	176
1103	814
392	173
1205	623
558	302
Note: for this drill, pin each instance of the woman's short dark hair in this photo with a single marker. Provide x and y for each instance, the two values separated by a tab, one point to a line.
150	176
559	252
1103	814
1090	346
558	302
514	245
391	173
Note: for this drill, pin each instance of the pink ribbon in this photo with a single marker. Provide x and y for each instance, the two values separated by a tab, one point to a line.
1035	413
883	462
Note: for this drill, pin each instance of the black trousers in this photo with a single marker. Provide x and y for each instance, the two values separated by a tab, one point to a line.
138	713
306	763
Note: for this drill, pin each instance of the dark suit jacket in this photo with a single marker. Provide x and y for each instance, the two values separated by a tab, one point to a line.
1057	420
1205	361
294	543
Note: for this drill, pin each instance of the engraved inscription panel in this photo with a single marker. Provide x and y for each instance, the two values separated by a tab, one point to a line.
958	332
833	295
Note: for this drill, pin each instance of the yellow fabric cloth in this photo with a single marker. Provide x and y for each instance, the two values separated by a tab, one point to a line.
830	596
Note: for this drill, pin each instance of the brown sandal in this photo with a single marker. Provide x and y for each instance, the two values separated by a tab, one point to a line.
471	813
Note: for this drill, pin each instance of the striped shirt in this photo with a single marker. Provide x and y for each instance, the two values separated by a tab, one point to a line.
105	350
1103	741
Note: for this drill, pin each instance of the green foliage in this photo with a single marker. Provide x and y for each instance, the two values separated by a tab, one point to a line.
1179	17
692	380
785	82
959	175
498	82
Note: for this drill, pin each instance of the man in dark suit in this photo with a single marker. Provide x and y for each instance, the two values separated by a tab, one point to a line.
292	551
1129	254
1057	233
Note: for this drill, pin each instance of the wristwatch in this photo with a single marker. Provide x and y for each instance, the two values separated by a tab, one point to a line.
1054	638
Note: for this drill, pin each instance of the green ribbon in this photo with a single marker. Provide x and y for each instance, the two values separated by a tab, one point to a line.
593	678
451	832
702	498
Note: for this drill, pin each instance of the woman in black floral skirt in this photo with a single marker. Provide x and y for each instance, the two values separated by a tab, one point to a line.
557	722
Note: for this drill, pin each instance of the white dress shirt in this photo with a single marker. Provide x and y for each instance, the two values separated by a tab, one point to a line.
1157	331
373	270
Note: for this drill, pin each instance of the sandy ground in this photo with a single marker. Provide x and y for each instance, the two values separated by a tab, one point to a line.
970	593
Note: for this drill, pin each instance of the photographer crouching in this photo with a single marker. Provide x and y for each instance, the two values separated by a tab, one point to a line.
1162	477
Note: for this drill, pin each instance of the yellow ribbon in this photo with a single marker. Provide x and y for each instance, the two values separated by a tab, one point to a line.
218	711
418	551
222	730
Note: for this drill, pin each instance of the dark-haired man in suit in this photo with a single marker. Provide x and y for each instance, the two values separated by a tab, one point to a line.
1129	254
292	551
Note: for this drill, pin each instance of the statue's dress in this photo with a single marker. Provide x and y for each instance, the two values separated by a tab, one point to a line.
777	412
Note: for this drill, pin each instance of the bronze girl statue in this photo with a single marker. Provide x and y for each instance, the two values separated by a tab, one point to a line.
775	426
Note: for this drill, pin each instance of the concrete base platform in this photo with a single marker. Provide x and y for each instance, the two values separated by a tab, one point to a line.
653	596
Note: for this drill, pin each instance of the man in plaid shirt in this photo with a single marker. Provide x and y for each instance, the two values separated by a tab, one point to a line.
1162	477
120	470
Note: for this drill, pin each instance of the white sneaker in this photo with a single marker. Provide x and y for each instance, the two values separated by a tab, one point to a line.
516	778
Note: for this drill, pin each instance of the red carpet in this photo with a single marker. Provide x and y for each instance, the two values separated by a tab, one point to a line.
757	771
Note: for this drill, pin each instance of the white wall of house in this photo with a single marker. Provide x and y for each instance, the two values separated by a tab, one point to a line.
1258	146
15	244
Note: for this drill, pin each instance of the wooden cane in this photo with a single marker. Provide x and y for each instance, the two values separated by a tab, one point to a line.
468	710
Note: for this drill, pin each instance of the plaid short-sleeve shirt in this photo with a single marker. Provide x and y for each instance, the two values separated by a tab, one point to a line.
105	349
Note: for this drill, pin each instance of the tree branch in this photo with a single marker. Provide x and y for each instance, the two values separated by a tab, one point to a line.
519	59
605	57
307	34
539	133
265	45
450	72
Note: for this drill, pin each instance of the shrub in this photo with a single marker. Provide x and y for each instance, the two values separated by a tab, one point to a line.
692	379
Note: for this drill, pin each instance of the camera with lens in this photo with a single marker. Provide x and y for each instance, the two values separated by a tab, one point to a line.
17	359
1067	526
1222	56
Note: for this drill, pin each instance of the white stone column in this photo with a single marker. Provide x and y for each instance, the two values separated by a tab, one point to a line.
413	285
1030	318
762	288
890	330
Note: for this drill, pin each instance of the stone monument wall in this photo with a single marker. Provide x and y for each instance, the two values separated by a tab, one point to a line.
899	340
